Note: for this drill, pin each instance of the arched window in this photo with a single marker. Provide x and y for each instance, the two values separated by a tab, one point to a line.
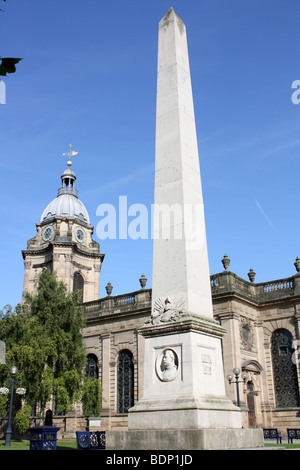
92	367
284	370
78	283
125	380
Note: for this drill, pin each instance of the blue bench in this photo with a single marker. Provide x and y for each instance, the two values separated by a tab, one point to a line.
293	434
272	433
90	440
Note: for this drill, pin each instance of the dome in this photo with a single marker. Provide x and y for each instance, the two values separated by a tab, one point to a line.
66	204
68	173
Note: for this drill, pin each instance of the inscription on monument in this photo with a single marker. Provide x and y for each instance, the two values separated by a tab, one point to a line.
206	364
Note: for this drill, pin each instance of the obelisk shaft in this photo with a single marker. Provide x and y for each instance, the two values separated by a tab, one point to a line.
184	387
180	259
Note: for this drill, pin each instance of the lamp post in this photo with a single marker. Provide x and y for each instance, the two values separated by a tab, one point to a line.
13	371
236	372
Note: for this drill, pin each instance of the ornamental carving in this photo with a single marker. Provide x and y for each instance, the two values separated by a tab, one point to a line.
247	334
167	310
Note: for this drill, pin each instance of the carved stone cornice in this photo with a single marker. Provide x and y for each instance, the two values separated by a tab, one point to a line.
227	315
81	266
36	252
49	248
42	265
186	323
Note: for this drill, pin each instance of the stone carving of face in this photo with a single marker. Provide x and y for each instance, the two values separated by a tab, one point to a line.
168	359
168	367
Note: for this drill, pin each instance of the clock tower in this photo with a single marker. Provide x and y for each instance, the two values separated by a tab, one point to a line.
64	243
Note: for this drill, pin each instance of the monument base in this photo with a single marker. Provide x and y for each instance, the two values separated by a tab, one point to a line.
185	412
184	378
185	439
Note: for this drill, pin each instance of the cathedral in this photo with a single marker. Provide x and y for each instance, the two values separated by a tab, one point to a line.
262	321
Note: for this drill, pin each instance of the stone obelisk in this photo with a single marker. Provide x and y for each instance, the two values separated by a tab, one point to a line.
184	405
182	329
180	261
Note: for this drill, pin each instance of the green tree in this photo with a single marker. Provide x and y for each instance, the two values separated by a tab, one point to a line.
44	340
91	397
22	418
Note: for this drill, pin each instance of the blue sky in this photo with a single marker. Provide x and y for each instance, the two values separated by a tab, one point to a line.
88	77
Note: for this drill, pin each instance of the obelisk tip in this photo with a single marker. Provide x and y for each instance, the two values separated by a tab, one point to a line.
171	16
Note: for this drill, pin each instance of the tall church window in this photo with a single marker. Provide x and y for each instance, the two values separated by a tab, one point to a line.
125	381
92	367
78	283
284	370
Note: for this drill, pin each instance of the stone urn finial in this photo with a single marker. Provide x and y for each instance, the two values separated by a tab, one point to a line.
109	288
226	262
297	264
251	275
143	281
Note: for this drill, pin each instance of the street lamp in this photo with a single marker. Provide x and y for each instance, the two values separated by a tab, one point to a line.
236	372
13	371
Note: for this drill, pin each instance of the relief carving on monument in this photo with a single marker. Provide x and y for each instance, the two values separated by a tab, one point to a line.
166	311
167	365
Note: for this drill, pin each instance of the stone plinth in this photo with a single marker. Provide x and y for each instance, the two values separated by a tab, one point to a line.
189	439
183	379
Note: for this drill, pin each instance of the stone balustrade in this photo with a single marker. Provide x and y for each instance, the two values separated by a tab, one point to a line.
222	283
119	303
228	282
275	286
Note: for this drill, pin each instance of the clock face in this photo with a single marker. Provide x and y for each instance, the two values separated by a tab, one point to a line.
80	234
47	233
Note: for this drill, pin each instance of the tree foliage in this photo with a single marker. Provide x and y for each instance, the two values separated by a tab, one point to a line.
91	397
44	340
22	418
8	64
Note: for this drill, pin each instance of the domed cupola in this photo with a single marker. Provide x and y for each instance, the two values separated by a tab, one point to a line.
64	243
66	204
68	179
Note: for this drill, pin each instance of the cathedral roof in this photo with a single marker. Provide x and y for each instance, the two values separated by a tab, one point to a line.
66	204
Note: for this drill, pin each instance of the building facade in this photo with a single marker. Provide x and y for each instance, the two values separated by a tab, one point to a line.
261	320
262	324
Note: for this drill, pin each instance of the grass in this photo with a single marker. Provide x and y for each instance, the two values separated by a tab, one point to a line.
23	444
285	446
